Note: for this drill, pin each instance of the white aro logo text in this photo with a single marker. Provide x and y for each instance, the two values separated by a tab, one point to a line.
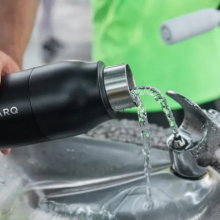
7	111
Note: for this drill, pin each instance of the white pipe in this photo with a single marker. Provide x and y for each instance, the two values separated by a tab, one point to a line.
190	25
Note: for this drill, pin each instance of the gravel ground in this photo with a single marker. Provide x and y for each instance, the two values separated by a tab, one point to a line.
129	131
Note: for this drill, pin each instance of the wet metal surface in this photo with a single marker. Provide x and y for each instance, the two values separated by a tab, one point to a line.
128	131
89	179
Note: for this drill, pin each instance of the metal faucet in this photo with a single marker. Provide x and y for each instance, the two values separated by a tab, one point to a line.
199	136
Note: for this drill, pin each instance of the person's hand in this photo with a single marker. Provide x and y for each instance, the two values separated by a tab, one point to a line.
7	66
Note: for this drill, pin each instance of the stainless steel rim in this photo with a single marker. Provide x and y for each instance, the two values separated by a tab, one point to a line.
119	82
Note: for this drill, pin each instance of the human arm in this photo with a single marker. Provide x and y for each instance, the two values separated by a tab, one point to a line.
16	24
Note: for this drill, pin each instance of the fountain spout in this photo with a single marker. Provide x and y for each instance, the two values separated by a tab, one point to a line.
199	136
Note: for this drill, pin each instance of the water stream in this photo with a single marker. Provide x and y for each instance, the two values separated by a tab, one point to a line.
145	132
107	208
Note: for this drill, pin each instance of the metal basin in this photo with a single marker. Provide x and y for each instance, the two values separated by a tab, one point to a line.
84	178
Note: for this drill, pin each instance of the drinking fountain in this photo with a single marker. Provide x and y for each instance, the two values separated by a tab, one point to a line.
85	178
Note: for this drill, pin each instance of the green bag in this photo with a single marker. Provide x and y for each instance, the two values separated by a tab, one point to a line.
127	31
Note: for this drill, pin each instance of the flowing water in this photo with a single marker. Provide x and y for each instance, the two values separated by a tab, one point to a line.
107	208
145	133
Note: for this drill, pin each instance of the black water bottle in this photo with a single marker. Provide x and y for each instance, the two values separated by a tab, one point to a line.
60	100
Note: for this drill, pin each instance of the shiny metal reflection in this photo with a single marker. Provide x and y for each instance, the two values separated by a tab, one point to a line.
88	174
201	130
118	82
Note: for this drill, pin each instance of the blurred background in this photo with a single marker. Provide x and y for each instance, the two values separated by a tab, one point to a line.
125	32
71	25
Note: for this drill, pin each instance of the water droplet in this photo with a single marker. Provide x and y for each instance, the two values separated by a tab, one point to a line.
142	92
196	107
214	128
146	134
137	92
